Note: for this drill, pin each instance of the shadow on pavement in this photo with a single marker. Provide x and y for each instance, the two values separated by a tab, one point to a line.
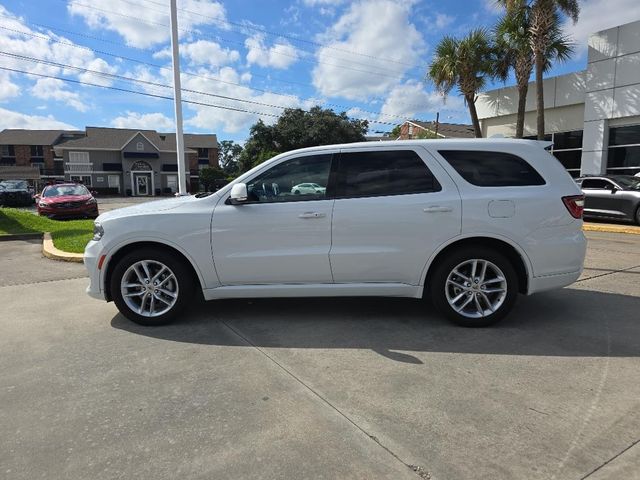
568	322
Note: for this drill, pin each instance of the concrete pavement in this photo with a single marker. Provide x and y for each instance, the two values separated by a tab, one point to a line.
324	388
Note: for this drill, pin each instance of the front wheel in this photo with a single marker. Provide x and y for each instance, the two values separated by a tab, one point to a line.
150	287
474	287
637	219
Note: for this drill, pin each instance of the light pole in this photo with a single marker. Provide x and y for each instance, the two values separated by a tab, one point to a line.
177	100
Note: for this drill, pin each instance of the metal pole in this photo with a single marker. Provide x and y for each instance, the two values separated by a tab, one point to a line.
437	123
177	100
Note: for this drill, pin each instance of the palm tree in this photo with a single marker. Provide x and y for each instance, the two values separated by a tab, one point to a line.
464	63
513	41
544	17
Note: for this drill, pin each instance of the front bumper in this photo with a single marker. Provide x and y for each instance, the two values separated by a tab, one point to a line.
92	254
90	211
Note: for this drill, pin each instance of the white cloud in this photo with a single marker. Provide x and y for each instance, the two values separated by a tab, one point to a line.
11	119
410	100
214	119
50	47
596	15
443	20
144	28
98	65
279	55
380	29
205	52
145	121
8	89
53	89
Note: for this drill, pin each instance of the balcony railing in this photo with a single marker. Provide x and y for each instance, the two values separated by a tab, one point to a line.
78	167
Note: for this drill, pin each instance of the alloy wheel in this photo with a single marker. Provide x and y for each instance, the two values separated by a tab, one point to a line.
149	288
476	288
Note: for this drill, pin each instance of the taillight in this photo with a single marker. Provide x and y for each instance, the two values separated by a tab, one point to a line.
575	205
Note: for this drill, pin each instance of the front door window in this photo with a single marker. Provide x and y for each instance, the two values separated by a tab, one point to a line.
142	184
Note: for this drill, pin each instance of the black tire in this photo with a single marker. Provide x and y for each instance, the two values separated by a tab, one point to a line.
296	192
637	215
438	284
182	275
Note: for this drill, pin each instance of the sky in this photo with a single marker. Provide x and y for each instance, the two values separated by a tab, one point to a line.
241	60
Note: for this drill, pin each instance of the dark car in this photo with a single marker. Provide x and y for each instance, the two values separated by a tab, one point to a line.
67	200
15	193
611	196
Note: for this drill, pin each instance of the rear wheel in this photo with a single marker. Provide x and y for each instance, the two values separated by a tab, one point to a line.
474	287
637	216
150	287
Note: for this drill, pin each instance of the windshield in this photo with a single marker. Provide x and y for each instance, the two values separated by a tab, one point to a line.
60	190
14	185
627	182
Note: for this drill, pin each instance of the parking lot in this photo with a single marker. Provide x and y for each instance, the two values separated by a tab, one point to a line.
320	388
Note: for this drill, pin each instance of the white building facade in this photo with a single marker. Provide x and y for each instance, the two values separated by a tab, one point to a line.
592	116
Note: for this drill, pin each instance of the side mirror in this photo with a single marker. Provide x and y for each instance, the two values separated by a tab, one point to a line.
614	189
37	196
239	194
94	193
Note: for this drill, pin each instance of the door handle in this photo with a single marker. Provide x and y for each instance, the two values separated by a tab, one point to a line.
437	209
312	215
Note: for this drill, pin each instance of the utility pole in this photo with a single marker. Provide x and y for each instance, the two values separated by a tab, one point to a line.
177	100
437	123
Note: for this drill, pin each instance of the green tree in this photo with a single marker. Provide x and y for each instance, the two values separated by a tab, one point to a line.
544	21
395	133
208	177
297	128
464	63
229	157
513	42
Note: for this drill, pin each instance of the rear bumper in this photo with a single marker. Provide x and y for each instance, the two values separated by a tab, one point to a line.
550	282
92	254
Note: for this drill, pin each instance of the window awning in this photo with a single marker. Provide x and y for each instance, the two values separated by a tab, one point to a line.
141	155
19	173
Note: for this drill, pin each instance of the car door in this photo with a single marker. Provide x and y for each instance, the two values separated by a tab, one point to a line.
277	236
394	206
600	199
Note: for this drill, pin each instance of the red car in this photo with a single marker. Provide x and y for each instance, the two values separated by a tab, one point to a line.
67	200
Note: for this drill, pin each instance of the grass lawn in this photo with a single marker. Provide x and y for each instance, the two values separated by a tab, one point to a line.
68	235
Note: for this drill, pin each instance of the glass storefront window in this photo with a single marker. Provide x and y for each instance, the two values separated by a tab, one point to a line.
624	150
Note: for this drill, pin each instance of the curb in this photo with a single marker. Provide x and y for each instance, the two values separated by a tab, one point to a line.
593	227
50	251
21	236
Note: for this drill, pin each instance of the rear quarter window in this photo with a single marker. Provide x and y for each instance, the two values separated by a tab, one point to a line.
492	169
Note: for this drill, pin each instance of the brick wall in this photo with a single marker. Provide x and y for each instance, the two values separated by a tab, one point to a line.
192	161
47	150
23	155
213	157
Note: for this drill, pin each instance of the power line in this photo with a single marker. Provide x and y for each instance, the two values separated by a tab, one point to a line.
137	92
268	77
218	38
163	67
165	97
283	35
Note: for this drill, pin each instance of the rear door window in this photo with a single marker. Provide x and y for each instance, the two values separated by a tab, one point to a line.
492	169
392	172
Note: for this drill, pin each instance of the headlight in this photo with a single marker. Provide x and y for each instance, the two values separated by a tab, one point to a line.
43	204
91	201
98	231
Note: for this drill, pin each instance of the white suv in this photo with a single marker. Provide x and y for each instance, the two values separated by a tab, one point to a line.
470	223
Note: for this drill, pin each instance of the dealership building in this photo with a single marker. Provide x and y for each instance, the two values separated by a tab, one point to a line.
592	117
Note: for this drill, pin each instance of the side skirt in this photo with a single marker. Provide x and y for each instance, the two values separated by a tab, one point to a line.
315	290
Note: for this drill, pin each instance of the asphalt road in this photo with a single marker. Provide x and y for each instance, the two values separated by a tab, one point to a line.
364	388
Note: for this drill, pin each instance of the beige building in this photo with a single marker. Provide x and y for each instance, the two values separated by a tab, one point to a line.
592	116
